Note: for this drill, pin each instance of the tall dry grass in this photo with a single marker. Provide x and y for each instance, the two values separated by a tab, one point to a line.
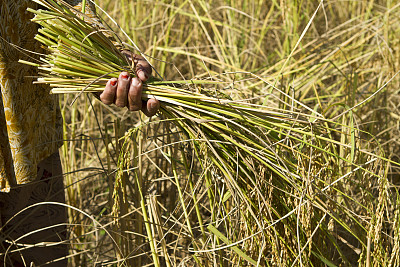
156	198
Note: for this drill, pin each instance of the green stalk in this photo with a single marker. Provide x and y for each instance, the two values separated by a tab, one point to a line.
83	6
139	184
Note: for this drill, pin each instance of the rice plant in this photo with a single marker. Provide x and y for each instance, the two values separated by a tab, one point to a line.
237	169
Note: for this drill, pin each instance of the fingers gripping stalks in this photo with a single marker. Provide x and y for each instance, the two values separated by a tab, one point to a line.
126	91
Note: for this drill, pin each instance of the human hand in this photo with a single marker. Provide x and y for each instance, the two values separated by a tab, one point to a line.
126	91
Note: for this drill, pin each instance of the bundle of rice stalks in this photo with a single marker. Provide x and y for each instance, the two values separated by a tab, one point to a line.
251	147
82	59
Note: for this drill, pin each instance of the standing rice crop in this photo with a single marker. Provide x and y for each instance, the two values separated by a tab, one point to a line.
257	152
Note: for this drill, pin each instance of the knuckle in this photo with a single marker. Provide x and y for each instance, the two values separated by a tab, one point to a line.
105	99
134	107
120	104
134	98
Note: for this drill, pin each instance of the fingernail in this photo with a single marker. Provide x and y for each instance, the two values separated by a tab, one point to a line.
153	105
146	75
125	76
113	82
135	81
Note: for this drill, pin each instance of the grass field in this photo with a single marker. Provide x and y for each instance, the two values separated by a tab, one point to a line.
148	191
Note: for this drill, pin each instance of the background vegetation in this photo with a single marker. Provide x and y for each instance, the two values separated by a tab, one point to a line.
145	195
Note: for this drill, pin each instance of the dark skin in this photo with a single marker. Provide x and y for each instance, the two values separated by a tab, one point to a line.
126	91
